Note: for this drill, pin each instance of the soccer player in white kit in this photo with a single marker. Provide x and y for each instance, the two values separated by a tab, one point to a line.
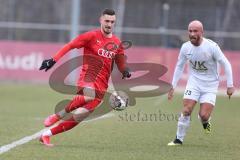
203	56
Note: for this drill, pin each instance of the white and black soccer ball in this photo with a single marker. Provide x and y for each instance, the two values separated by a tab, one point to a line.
119	100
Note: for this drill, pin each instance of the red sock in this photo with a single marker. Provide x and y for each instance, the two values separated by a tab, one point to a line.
78	101
64	126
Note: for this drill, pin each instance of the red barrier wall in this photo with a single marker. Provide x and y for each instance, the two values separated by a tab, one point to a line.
20	60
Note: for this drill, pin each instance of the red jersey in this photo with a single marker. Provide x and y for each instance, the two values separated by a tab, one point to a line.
97	60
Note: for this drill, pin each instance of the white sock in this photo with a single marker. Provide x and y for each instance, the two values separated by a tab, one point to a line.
47	133
183	124
62	113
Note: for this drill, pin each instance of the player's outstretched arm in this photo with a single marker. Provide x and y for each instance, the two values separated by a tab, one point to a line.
49	63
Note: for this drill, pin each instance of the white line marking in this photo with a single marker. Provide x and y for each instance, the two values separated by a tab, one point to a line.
27	139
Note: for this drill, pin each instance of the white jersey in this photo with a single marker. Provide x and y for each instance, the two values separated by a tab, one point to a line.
203	60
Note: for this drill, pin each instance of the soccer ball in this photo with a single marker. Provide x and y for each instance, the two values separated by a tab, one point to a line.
118	100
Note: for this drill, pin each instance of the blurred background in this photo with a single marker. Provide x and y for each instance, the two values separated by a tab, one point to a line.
32	30
152	23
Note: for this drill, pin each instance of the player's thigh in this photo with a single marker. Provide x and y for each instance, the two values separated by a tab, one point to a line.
92	105
190	98
192	90
207	103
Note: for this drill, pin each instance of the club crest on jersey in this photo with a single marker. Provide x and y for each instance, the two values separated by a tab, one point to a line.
98	42
105	53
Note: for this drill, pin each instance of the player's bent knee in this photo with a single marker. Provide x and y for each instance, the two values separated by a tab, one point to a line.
80	114
186	111
188	107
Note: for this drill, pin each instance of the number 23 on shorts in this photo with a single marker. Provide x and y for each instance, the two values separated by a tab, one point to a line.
188	92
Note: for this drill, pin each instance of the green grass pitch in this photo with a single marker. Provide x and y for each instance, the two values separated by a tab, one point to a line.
139	133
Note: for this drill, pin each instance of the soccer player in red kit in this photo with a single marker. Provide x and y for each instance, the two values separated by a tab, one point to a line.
93	80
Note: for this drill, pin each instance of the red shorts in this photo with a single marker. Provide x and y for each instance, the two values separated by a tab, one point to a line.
99	91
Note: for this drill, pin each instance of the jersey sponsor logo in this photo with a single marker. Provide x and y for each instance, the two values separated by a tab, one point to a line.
105	53
199	65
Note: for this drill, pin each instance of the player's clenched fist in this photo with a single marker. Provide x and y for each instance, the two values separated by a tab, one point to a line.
47	64
126	73
230	91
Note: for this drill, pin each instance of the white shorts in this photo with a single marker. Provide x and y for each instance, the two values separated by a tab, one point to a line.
201	91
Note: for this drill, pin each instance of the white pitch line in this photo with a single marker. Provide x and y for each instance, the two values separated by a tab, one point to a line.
27	139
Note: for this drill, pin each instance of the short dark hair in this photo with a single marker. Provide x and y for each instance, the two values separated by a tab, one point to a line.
108	11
